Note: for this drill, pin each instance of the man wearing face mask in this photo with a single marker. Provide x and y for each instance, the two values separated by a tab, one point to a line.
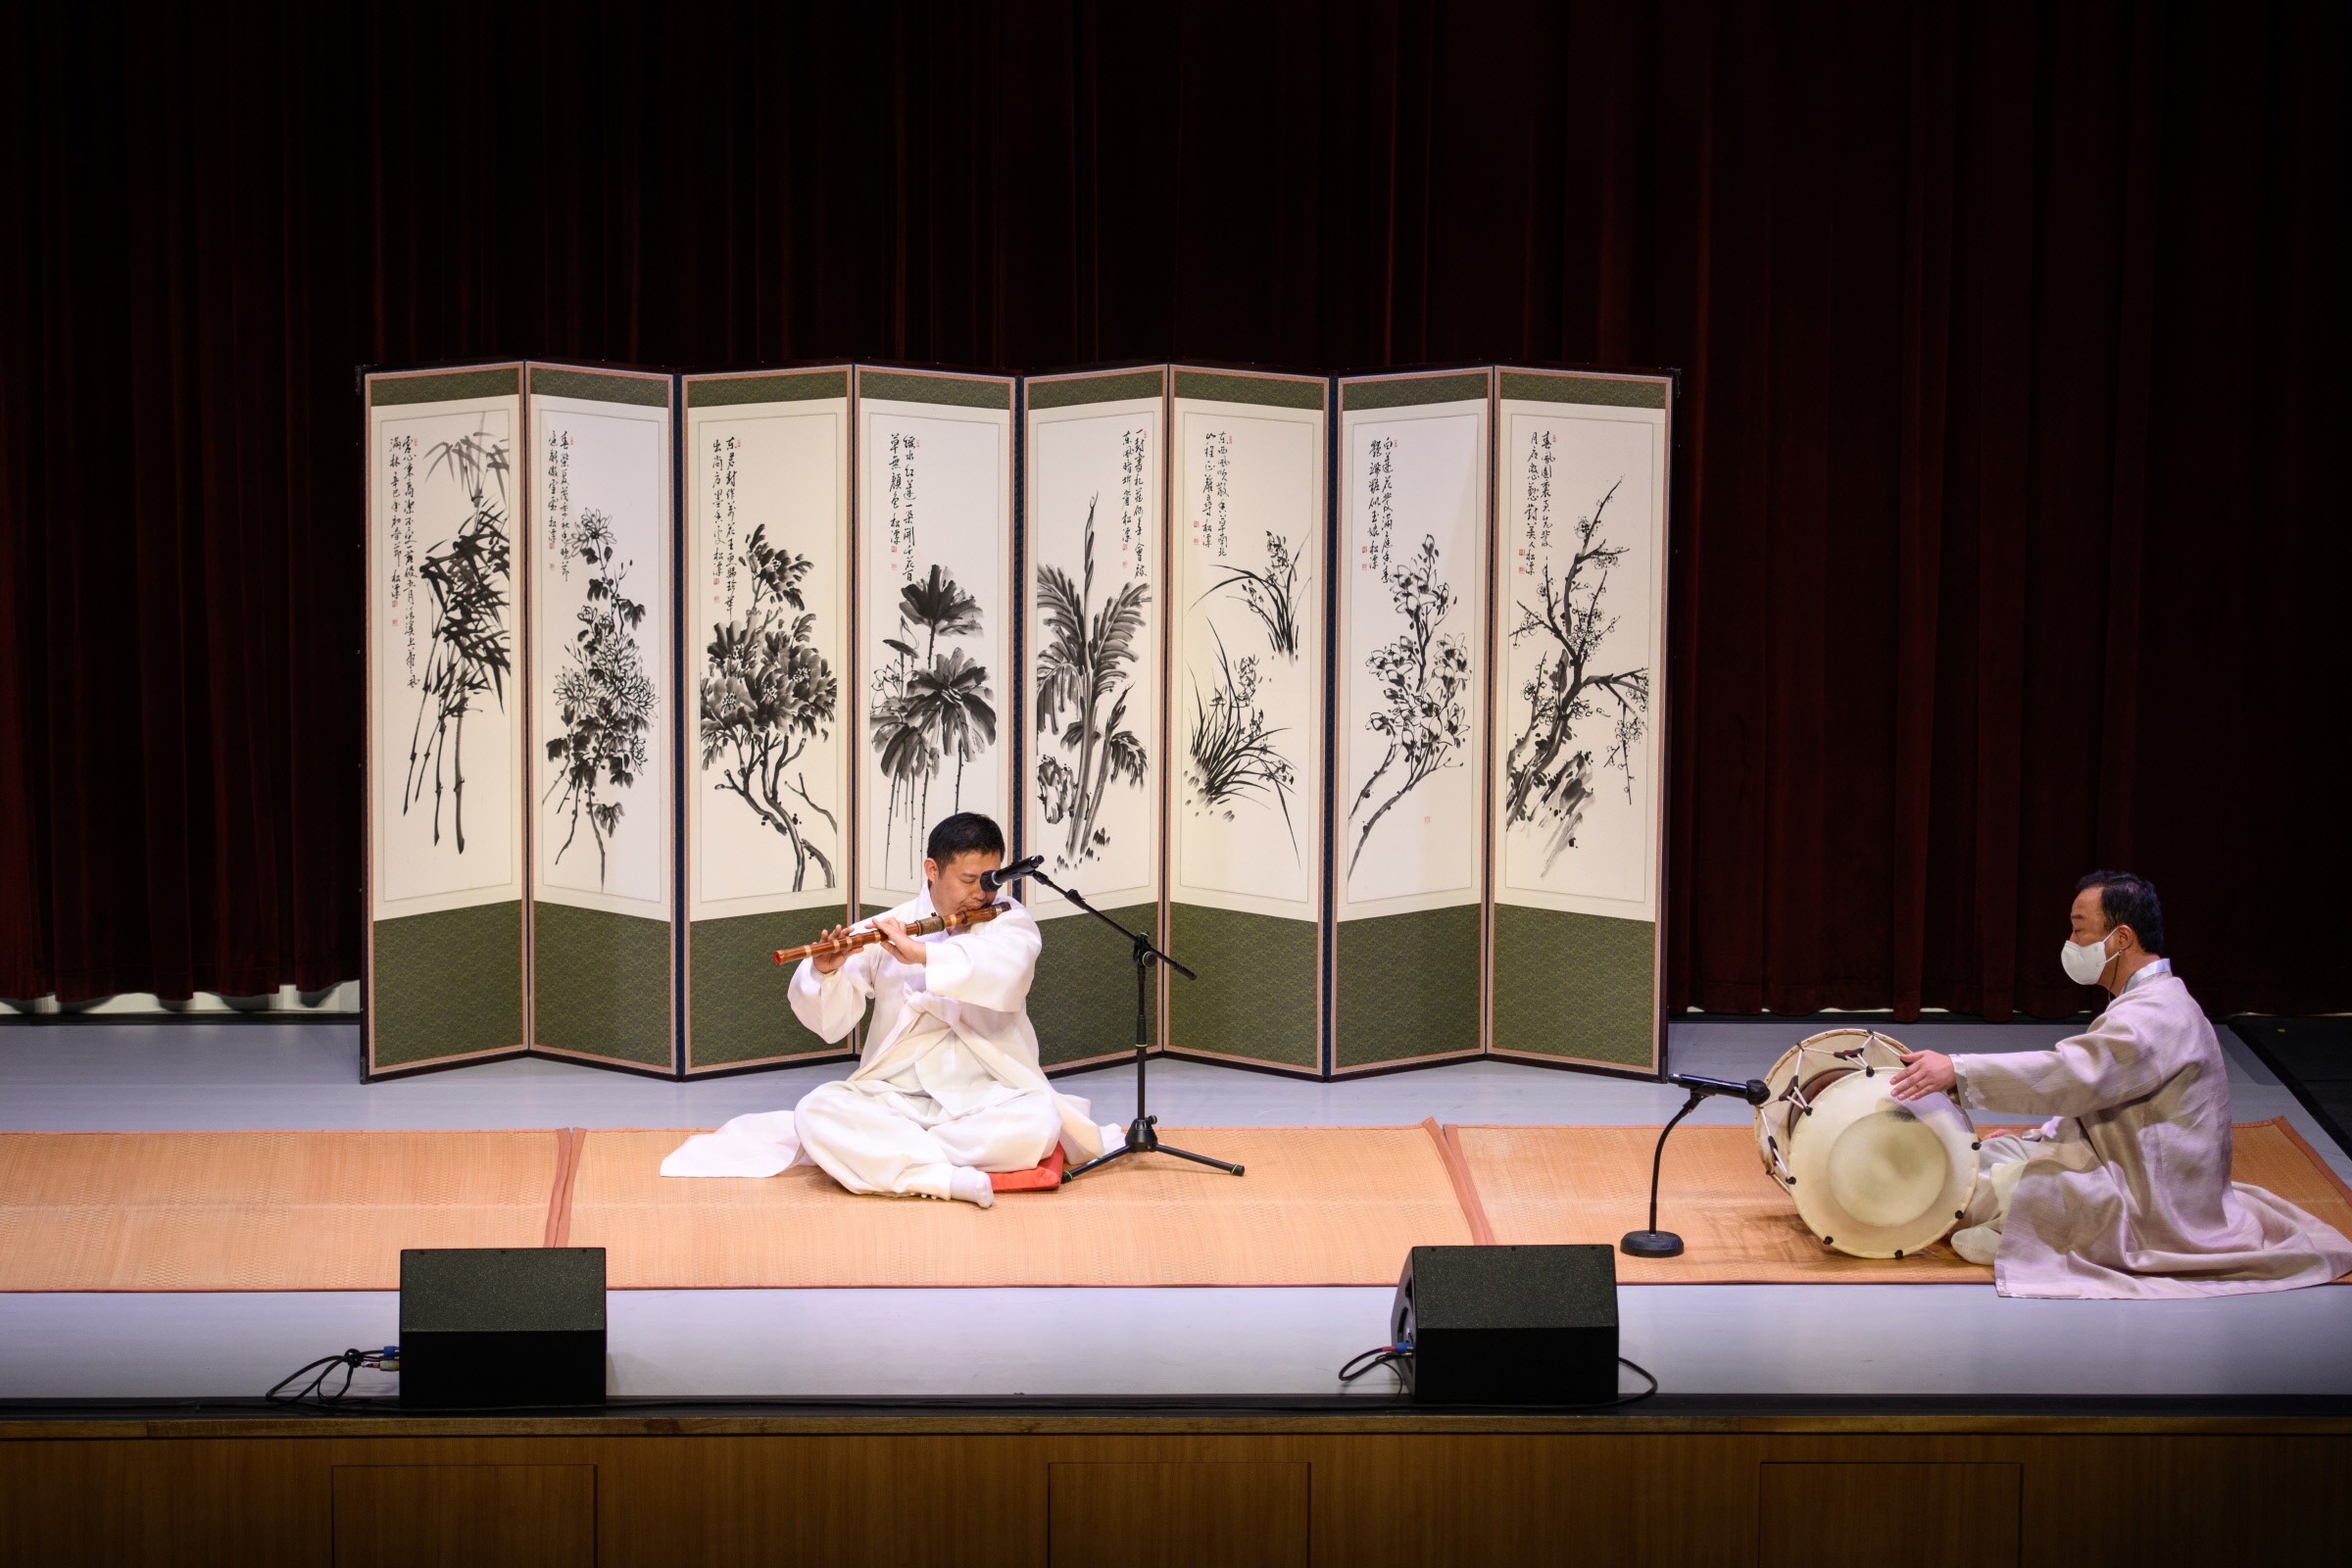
2125	1189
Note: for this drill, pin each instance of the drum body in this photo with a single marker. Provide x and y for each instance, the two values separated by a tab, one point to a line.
1870	1175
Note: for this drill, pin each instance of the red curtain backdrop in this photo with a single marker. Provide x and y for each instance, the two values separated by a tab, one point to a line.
2013	340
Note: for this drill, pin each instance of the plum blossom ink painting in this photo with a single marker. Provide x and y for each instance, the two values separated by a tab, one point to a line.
1412	619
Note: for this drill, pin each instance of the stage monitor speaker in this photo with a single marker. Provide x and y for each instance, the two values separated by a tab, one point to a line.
1509	1325
501	1327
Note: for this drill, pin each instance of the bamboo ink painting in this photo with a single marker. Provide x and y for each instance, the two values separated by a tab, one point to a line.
445	622
470	650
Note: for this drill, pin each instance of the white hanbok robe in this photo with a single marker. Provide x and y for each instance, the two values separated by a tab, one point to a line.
948	1074
2125	1189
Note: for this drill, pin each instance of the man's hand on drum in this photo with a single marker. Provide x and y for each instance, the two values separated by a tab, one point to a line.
1925	1073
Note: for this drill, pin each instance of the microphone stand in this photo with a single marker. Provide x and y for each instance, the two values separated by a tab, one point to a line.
1143	1134
1654	1242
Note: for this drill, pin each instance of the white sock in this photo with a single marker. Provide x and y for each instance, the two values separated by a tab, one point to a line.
1978	1244
972	1186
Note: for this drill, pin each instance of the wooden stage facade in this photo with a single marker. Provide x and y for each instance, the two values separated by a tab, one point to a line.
1208	1488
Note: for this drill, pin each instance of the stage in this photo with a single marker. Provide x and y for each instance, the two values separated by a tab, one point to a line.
1934	1344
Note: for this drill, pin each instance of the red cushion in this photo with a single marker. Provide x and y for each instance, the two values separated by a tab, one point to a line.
1045	1176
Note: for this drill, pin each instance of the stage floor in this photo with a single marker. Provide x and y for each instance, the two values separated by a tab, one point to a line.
1929	1341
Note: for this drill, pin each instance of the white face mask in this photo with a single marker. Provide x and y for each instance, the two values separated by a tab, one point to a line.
2084	962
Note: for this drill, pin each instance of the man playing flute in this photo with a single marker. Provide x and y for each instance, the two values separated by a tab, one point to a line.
948	1088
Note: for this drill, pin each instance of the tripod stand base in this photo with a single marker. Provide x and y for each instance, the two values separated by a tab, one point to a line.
1143	1138
1652	1243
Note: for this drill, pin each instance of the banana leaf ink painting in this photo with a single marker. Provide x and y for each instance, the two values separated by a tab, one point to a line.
1086	686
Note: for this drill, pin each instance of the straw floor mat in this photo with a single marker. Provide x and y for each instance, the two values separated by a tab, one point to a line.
1319	1206
261	1210
1591	1184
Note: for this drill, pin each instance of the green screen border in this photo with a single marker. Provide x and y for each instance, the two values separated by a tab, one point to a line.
1575	986
445	984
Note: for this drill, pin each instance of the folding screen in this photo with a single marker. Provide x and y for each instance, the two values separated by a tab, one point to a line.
1095	544
767	654
1409	758
935	596
1578	654
604	685
1248	707
444	952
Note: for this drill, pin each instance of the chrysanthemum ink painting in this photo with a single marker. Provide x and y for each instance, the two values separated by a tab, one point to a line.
601	636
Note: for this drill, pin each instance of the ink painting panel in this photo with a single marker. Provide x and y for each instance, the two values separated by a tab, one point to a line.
602	664
1248	694
935	559
1412	645
1094	651
767	643
1579	654
444	620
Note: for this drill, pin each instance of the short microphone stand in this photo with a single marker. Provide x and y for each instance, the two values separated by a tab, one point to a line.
1654	1242
1143	1134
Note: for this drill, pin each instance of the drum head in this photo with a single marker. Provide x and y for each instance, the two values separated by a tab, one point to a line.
1809	1066
1874	1177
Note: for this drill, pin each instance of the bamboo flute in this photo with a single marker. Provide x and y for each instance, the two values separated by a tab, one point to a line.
928	925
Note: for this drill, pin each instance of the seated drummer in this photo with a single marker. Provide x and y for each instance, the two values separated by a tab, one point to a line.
2125	1189
948	1088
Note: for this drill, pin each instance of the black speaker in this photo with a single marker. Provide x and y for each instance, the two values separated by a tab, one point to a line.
501	1326
1509	1325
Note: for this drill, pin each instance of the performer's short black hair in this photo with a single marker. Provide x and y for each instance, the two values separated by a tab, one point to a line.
965	833
2128	899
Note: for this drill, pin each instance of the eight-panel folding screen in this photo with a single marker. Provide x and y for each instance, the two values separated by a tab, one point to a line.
1346	691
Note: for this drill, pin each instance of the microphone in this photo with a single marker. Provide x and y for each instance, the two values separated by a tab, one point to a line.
1755	1091
992	880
